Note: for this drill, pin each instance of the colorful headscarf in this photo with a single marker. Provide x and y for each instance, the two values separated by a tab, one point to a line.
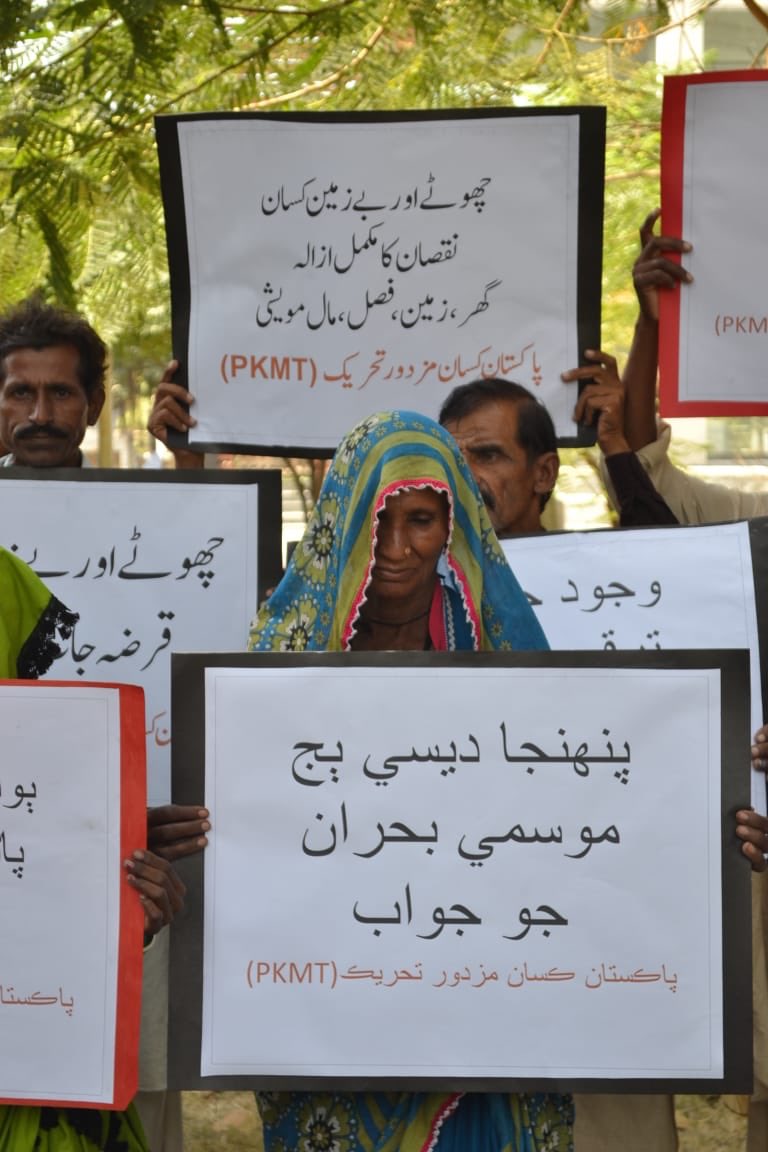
316	605
314	608
32	621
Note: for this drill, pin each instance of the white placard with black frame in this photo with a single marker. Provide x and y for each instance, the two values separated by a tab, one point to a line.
72	809
412	851
152	563
653	589
324	267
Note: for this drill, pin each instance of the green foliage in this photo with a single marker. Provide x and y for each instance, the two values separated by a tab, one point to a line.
80	213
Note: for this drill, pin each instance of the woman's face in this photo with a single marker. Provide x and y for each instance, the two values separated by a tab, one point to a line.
412	532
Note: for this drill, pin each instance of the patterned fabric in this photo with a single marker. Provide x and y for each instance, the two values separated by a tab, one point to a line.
69	1130
32	621
315	607
316	604
415	1122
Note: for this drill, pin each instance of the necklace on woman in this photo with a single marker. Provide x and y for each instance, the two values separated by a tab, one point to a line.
393	623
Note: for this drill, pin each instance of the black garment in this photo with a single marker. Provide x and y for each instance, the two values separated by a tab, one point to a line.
640	505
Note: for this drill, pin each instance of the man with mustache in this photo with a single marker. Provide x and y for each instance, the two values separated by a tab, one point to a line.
52	366
52	370
508	440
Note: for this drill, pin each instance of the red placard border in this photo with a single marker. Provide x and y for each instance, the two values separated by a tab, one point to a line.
133	835
672	162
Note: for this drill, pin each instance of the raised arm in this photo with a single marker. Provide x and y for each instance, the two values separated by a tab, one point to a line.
601	404
653	272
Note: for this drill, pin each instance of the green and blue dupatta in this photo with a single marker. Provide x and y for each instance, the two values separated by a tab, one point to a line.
315	606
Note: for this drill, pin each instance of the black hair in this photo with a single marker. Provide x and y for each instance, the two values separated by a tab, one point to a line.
35	324
535	430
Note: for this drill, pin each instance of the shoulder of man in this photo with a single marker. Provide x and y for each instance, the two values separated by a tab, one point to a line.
9	461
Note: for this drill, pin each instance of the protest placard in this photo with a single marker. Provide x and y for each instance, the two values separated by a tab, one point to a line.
324	267
714	185
72	808
403	840
152	563
648	588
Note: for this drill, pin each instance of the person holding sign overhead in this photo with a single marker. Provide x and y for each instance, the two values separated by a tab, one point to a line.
508	439
634	1122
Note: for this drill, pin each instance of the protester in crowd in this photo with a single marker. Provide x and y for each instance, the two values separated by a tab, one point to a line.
52	366
52	387
52	374
372	518
693	500
508	439
399	554
509	442
32	625
606	1123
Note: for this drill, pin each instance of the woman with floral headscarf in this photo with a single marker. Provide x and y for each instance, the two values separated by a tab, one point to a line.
399	554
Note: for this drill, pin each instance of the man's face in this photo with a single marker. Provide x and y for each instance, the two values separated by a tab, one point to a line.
511	486
44	410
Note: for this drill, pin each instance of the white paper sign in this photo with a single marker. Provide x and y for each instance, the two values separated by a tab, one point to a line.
60	880
728	305
151	569
437	859
652	589
723	318
339	268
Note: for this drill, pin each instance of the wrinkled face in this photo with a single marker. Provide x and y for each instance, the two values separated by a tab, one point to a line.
44	410
510	485
412	532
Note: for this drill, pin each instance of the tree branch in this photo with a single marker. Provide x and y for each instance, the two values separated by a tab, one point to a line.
582	38
755	10
334	77
553	32
30	69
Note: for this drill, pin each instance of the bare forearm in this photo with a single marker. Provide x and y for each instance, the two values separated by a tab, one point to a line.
183	458
657	269
639	382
